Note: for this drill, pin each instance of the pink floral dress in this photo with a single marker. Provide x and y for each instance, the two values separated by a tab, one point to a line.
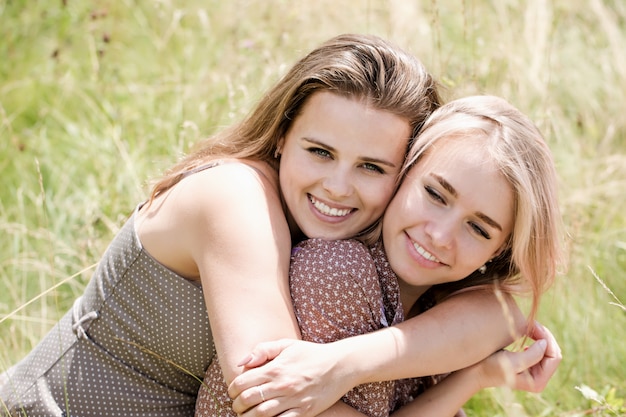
339	289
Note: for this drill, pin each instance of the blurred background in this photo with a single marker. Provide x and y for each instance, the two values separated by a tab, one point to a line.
99	97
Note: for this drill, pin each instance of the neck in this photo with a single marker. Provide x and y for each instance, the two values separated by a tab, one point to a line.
296	234
409	294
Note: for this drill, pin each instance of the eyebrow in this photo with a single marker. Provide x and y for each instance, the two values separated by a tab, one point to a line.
449	188
363	158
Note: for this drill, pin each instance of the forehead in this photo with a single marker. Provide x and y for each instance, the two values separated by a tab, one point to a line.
470	148
335	118
467	164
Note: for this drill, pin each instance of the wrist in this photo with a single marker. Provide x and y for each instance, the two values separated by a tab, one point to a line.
346	365
360	362
474	378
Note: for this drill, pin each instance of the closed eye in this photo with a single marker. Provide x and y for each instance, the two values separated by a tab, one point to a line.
480	231
434	195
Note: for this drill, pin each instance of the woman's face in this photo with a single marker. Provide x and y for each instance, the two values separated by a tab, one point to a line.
340	160
452	213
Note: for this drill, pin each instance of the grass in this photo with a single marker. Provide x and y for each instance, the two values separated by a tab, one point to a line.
98	97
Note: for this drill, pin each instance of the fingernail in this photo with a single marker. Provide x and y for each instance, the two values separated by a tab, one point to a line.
542	343
245	360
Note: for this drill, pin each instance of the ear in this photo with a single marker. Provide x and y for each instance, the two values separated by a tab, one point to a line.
506	245
279	147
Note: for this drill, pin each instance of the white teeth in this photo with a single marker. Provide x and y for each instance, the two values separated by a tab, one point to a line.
425	253
324	209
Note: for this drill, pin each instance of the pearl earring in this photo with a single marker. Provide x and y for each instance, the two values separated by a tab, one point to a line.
482	269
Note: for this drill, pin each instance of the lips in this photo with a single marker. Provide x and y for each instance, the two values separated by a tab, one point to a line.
424	253
327	210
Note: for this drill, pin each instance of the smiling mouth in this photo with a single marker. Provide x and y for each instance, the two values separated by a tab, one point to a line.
328	211
425	253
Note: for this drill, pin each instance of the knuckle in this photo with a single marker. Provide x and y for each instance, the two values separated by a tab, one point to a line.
246	398
263	410
235	386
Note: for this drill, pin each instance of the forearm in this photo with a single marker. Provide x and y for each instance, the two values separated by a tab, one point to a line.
341	409
445	398
246	290
529	369
453	335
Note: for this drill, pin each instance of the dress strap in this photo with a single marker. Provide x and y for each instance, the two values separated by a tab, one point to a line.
80	324
202	167
220	162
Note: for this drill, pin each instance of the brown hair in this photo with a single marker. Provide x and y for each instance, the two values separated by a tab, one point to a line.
362	67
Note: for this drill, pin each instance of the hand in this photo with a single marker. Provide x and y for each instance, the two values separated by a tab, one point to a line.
295	378
529	370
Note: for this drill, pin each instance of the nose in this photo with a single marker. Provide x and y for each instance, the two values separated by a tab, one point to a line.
338	183
441	232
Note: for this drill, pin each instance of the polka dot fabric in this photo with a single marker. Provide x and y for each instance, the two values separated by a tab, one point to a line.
137	343
339	289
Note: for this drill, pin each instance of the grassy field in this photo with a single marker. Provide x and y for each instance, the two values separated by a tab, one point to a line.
98	97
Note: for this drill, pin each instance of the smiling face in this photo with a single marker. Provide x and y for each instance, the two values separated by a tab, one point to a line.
339	163
451	215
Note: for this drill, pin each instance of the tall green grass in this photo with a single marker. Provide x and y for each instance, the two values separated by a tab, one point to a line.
98	97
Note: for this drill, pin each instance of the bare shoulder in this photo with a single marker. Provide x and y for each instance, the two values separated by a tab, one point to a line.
223	204
232	182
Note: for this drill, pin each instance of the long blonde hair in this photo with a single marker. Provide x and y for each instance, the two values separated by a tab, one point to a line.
361	67
533	253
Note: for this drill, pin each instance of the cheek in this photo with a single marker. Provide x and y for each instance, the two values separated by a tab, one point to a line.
378	197
295	170
290	184
475	254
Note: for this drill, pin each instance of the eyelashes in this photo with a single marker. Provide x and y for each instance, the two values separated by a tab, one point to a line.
438	198
325	154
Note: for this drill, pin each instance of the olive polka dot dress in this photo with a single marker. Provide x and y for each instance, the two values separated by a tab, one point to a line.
137	343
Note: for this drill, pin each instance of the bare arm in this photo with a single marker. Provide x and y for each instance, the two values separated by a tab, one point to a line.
307	378
529	370
239	239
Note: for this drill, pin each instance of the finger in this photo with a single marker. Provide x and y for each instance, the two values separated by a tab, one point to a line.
513	367
536	377
274	407
533	355
264	352
538	331
553	350
249	398
251	376
543	371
